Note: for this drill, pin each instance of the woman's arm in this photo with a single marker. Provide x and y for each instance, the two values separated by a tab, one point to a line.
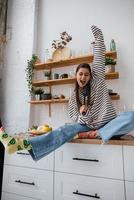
99	53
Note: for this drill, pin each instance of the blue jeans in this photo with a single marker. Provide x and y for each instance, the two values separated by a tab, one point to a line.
45	144
122	124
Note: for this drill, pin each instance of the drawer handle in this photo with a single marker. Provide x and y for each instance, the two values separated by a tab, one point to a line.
21	153
84	159
86	195
23	182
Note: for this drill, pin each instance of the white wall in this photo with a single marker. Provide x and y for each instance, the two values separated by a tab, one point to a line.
115	18
19	48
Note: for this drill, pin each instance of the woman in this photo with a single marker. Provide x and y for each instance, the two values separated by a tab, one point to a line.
90	107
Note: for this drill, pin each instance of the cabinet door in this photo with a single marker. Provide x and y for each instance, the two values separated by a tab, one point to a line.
95	160
33	183
23	158
78	187
129	190
9	196
129	162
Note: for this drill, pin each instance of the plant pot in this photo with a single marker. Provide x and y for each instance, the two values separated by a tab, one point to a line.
47	78
109	68
37	97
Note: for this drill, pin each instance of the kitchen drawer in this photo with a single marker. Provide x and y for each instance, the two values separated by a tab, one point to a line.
23	158
33	183
129	162
129	190
9	196
95	160
78	187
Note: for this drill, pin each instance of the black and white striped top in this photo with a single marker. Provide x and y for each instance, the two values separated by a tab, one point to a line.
100	110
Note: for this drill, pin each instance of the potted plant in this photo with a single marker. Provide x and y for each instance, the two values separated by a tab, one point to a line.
38	92
47	74
30	73
61	52
109	64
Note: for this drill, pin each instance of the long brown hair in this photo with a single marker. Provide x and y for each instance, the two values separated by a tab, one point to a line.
88	85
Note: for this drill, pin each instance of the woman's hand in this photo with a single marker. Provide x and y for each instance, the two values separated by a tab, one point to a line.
83	109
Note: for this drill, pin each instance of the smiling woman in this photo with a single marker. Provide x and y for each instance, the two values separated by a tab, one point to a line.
83	74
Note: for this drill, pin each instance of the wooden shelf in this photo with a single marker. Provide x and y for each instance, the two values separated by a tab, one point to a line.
108	76
71	61
51	101
115	97
54	82
112	75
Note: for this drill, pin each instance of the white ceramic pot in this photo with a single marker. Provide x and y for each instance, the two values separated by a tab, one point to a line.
109	68
37	97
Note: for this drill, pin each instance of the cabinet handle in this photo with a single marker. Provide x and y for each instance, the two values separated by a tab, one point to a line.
86	195
21	153
23	182
84	159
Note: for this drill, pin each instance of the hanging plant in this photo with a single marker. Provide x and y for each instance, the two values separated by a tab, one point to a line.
30	73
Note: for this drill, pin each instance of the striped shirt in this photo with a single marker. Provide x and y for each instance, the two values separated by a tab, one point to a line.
100	109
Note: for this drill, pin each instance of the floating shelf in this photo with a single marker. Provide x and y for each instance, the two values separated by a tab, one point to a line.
115	97
49	101
71	61
52	101
108	76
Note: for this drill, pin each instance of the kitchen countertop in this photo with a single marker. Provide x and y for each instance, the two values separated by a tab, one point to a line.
124	140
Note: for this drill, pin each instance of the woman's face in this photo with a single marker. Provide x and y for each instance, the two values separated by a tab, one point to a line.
83	76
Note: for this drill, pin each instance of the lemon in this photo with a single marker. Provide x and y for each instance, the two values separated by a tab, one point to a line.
46	129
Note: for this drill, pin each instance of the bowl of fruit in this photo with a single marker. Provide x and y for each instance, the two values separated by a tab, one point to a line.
39	130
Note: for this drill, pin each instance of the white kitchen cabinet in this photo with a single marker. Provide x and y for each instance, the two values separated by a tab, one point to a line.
79	171
93	160
24	159
78	187
129	162
89	171
33	183
25	177
129	190
129	171
10	196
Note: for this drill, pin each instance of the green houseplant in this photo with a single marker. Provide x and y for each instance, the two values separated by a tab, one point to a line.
110	61
30	73
38	92
109	64
47	74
